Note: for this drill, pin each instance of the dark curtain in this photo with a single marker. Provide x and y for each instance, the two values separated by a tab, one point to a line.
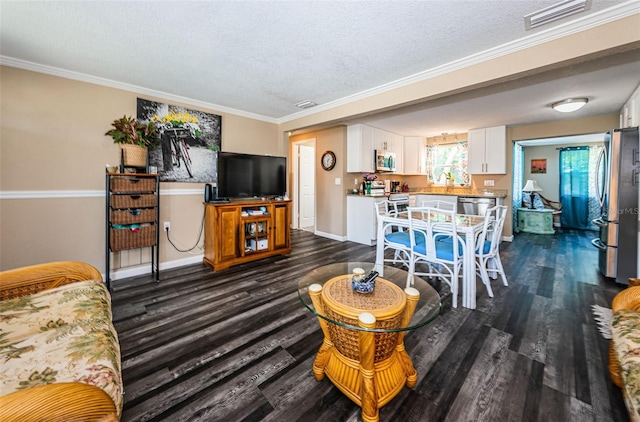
574	187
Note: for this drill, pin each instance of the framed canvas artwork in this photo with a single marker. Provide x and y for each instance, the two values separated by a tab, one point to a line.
538	165
190	141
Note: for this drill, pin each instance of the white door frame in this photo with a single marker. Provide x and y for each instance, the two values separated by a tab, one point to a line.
295	216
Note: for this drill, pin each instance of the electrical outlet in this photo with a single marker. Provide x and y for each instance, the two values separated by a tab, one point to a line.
488	182
167	226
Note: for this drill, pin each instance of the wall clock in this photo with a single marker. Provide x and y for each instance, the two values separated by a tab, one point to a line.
328	160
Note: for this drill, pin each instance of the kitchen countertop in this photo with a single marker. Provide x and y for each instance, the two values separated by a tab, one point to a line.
465	192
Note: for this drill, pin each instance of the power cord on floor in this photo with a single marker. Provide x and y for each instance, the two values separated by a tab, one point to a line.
197	240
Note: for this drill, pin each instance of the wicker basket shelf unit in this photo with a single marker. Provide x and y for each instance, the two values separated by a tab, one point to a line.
133	212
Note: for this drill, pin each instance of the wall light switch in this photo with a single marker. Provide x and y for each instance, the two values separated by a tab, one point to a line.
338	181
488	182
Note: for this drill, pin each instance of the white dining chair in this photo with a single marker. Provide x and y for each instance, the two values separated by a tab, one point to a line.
399	204
436	243
488	260
441	205
394	233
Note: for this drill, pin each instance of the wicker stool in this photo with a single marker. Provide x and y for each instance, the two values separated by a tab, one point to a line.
369	367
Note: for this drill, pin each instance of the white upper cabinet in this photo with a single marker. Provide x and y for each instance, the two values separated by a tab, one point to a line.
630	113
414	155
360	149
397	147
380	139
363	140
488	150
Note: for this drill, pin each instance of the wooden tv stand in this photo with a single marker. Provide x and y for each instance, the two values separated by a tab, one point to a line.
235	233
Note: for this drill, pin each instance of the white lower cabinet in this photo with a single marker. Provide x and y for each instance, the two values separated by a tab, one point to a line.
362	223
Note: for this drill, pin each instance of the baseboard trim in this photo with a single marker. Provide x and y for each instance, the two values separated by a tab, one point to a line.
146	268
330	236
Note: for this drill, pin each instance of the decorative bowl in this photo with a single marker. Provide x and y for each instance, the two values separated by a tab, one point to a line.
358	284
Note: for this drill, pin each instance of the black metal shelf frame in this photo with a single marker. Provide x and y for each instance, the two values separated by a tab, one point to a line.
155	253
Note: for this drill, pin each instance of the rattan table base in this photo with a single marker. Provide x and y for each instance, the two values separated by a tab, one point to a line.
368	367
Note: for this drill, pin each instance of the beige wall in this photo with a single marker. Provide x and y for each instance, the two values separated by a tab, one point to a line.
52	143
587	125
331	201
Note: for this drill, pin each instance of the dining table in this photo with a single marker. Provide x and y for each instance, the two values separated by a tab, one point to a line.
467	226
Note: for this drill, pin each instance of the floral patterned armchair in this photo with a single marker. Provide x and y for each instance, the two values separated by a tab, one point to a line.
59	350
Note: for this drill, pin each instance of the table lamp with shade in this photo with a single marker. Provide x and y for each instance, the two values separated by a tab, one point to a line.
530	187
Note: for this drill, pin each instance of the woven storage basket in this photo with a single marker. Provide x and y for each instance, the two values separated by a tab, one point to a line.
134	155
132	216
133	201
133	184
122	239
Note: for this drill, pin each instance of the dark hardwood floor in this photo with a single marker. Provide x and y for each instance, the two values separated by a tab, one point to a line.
237	345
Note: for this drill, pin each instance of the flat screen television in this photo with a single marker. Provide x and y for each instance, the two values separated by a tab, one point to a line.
251	176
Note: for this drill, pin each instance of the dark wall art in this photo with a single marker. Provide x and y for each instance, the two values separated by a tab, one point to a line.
190	143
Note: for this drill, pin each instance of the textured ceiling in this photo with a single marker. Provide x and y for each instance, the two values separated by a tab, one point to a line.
262	57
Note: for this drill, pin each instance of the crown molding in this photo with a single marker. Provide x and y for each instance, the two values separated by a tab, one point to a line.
82	77
593	20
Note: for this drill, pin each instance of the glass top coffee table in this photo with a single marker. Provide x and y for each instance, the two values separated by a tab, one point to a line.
363	348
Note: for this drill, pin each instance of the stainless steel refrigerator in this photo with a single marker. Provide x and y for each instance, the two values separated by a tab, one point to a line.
619	171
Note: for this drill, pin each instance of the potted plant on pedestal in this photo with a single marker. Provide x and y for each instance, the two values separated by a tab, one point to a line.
134	138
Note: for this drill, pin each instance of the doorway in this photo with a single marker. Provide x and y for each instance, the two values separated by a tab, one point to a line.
304	185
540	160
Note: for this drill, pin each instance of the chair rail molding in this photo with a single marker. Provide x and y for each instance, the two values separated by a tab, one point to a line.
54	194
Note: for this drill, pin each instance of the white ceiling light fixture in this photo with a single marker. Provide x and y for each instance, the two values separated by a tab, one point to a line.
306	104
569	105
555	12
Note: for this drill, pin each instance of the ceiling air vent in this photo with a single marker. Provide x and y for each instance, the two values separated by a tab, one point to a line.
555	12
305	104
